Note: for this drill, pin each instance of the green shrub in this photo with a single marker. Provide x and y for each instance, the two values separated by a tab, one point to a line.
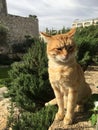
41	120
87	46
29	78
94	118
94	109
22	47
29	87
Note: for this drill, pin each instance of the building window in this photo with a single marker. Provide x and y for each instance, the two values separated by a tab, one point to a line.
73	25
96	22
87	23
79	24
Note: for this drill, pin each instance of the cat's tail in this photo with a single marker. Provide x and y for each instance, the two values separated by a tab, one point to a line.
51	102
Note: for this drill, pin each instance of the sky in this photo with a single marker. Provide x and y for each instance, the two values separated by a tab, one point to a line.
54	14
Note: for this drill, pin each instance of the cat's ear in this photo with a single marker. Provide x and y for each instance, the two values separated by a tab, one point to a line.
71	33
45	37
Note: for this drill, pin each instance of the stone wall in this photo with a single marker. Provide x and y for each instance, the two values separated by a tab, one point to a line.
3	7
19	27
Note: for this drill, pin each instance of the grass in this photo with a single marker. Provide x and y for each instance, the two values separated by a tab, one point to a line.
3	74
1	83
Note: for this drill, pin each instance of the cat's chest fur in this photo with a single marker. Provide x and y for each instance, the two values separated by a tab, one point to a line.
62	75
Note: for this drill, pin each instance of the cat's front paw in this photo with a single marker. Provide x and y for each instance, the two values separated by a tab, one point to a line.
67	121
79	108
59	117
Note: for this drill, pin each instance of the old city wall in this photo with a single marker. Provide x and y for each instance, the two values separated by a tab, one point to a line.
19	27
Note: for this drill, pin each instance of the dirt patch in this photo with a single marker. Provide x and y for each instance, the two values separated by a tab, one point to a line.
91	76
80	123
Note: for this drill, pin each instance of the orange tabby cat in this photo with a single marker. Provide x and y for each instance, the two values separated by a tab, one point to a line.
65	75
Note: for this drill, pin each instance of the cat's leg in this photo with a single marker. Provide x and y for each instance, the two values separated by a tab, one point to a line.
51	102
79	108
59	98
71	104
65	101
65	96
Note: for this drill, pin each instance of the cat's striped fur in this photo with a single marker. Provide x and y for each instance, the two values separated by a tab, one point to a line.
65	75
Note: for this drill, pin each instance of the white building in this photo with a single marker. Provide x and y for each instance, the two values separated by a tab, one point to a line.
84	23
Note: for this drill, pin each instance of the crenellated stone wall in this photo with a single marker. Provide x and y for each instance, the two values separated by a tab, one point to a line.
18	27
3	7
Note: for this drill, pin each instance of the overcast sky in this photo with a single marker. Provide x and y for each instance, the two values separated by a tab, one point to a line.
54	13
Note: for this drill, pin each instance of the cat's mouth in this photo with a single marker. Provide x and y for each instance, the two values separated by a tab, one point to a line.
63	59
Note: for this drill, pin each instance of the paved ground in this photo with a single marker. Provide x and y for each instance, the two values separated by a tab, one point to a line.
91	76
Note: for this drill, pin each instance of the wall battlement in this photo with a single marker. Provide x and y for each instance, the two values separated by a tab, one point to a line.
3	7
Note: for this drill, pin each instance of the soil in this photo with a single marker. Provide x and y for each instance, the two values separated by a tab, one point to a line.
80	123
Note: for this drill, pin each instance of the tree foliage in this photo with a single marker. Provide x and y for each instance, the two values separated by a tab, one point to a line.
41	120
29	78
87	45
22	47
29	87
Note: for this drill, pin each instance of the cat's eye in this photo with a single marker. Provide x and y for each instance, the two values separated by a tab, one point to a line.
69	48
59	49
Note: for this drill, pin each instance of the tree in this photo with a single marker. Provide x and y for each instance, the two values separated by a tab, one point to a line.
87	45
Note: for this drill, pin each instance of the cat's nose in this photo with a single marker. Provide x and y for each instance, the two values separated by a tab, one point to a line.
65	53
65	56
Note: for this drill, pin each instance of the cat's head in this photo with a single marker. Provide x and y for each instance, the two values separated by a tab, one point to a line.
60	47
